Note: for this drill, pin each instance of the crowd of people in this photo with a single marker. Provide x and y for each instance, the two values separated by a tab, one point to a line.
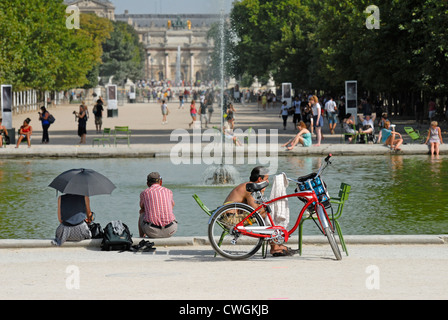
371	126
307	112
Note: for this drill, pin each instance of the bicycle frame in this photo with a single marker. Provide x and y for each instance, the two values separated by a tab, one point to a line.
226	228
268	232
273	231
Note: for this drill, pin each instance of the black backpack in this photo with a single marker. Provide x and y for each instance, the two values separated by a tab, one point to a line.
116	241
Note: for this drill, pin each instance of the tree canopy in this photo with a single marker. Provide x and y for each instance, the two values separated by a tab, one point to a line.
124	55
38	51
317	45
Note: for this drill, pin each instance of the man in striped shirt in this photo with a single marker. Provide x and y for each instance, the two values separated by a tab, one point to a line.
157	219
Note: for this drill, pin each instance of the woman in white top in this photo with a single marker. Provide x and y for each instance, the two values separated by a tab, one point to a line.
317	118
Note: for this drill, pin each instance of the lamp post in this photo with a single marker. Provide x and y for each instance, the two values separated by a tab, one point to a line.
149	64
152	61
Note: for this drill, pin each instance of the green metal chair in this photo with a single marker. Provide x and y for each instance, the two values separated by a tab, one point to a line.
344	191
104	138
203	206
345	136
122	133
209	213
24	140
224	230
414	134
247	138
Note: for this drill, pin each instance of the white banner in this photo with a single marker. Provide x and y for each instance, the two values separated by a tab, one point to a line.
351	98
6	105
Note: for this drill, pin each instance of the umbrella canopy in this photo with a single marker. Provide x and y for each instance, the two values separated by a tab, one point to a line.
84	182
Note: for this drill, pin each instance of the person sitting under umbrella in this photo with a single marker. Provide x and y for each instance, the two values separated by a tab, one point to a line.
73	213
74	207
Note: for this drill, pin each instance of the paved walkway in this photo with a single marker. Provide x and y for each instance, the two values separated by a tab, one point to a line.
371	271
151	138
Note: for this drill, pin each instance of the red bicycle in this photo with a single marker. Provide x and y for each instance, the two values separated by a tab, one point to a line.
236	231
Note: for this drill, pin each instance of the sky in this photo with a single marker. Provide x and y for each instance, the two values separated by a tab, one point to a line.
171	6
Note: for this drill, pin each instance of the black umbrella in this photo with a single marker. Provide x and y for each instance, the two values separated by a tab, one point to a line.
84	182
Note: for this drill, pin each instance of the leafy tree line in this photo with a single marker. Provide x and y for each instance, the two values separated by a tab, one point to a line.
38	51
317	45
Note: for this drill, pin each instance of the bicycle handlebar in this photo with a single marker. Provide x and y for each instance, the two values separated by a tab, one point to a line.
259	198
321	169
324	165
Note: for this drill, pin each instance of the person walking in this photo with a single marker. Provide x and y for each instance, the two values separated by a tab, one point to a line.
82	117
431	109
98	112
193	112
157	219
332	113
204	119
230	116
297	111
165	112
284	111
210	108
317	118
43	117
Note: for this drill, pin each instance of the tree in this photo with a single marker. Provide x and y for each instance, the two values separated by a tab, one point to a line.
38	51
320	44
124	55
273	40
98	29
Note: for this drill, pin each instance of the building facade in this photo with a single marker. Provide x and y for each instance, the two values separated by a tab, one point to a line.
169	37
176	46
102	8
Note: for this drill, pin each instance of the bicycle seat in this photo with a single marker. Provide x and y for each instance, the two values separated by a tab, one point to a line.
254	187
307	177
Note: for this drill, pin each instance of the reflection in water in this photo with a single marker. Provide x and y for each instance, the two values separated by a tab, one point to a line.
389	195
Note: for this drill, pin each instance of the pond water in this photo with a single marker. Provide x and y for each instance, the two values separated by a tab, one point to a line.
390	194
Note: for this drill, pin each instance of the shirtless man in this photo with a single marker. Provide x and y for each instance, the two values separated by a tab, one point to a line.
241	195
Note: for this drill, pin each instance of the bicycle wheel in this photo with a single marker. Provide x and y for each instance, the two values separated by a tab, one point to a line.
334	246
227	241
